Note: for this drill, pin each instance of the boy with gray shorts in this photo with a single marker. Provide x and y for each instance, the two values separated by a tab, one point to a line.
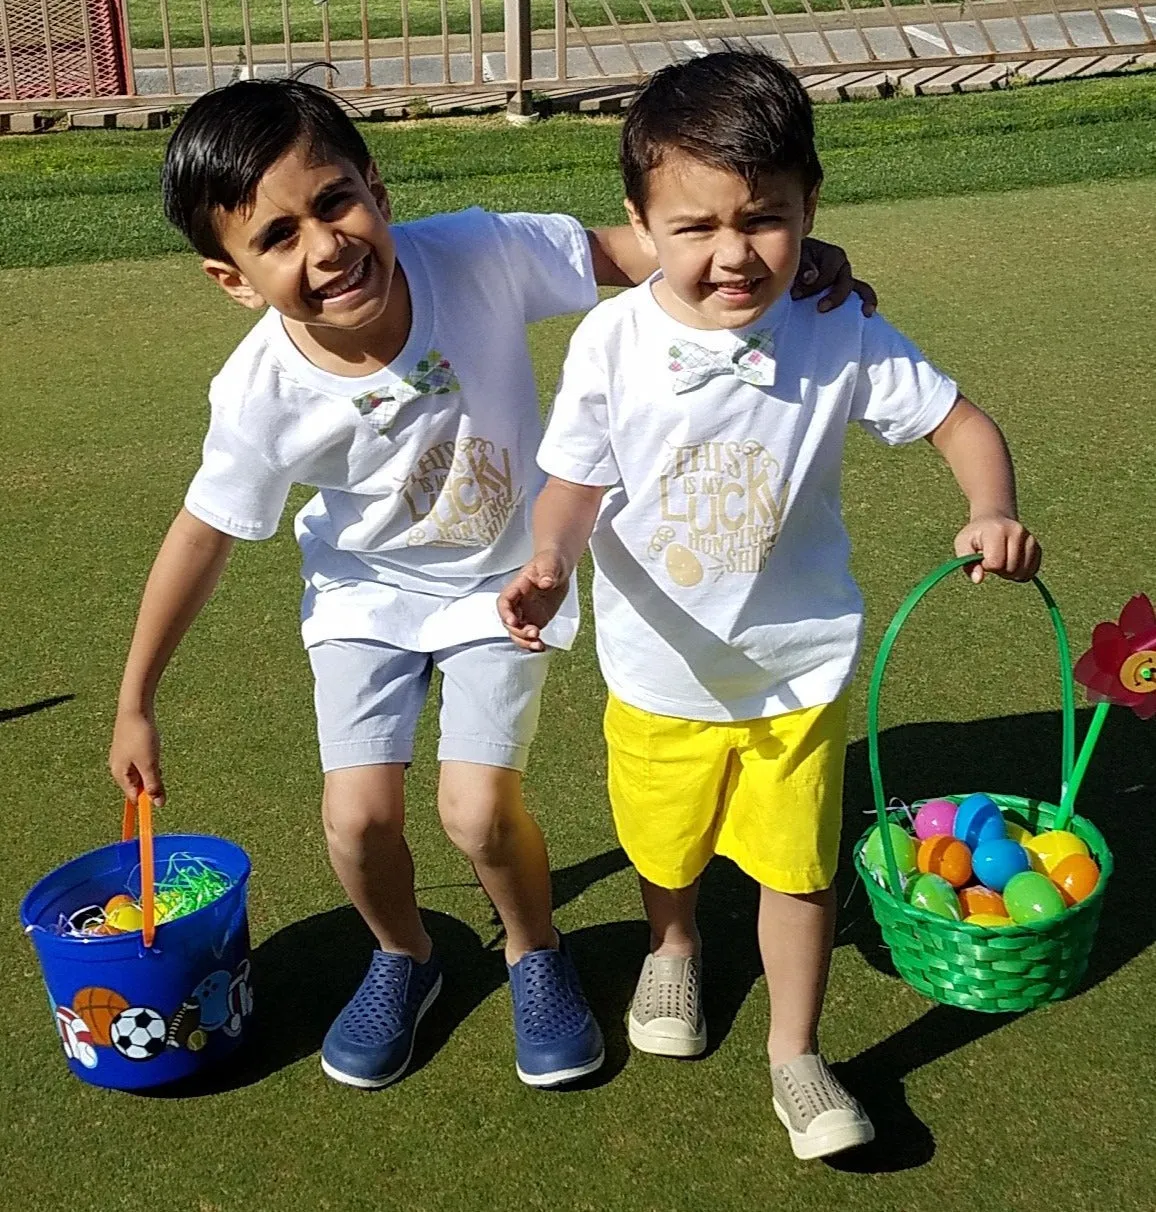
391	372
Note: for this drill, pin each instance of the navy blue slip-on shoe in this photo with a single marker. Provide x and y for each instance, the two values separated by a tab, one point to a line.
371	1040
556	1038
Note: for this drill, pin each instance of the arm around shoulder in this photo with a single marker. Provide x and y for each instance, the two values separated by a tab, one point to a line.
619	259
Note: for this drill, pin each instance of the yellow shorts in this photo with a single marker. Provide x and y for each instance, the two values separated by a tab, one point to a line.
767	793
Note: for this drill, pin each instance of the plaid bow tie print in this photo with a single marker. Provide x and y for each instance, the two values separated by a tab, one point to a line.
432	376
752	362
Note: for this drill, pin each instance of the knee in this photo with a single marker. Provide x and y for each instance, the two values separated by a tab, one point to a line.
361	813
478	822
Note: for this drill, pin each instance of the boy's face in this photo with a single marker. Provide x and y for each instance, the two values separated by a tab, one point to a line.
316	245
726	253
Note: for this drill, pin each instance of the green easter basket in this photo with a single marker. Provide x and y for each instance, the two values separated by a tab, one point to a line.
1012	968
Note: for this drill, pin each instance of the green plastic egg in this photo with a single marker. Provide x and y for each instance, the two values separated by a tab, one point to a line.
1032	897
903	844
933	893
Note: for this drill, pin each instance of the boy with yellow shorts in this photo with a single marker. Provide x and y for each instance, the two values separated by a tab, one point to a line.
696	442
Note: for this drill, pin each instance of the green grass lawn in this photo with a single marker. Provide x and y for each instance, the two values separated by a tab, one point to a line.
425	17
1040	302
88	196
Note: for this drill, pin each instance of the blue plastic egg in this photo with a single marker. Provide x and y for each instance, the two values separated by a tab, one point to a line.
995	862
978	820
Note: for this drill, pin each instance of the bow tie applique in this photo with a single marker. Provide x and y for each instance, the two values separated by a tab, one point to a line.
432	376
751	361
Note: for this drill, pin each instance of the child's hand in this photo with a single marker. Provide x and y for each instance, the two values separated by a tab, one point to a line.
532	599
825	267
134	757
1009	549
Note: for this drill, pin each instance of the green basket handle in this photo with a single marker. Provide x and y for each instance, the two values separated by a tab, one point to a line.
1067	690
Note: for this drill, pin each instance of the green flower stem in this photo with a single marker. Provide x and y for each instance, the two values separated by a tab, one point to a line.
1072	787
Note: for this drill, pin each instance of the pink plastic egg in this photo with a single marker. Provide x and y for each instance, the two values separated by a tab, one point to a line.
935	818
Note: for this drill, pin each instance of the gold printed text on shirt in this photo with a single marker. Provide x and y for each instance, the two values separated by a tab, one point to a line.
461	494
722	506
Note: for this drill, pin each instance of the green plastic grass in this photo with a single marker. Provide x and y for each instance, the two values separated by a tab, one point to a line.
1040	302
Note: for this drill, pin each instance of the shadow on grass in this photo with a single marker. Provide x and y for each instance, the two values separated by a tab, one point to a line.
1014	755
305	973
16	713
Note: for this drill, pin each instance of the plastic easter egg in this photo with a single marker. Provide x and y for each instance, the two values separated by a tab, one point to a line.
1018	833
978	820
980	900
946	856
114	902
125	918
901	841
1076	877
990	920
934	894
935	818
1031	897
1054	846
995	862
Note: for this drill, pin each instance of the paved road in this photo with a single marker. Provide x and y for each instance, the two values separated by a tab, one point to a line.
927	39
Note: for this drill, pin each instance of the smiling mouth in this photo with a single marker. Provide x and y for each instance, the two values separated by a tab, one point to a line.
741	286
347	283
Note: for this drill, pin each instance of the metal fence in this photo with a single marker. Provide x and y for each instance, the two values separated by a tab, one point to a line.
167	51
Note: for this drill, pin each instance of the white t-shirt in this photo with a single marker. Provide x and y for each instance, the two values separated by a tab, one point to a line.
424	502
722	589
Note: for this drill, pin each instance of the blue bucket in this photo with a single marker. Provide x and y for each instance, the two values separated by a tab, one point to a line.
132	1016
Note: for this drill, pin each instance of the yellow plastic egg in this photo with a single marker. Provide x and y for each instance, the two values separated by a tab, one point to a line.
1053	847
1018	833
988	919
125	918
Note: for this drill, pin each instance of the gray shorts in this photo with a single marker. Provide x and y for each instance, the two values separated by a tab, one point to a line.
368	697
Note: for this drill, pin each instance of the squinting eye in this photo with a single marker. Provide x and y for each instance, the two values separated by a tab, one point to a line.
275	237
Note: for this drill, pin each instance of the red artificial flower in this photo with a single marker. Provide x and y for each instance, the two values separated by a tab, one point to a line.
1121	664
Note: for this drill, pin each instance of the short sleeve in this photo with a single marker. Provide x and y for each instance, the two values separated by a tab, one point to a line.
236	490
899	395
577	444
550	262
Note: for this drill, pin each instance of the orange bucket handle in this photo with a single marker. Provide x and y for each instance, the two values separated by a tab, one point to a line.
143	808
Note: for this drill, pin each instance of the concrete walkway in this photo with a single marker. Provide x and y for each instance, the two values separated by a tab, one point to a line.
933	32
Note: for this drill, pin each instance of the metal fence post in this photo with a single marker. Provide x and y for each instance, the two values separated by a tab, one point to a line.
519	67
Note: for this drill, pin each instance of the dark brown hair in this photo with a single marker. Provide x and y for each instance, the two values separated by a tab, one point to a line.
230	138
734	110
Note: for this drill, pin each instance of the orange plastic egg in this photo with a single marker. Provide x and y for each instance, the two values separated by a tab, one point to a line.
945	856
1076	877
979	899
114	902
1053	847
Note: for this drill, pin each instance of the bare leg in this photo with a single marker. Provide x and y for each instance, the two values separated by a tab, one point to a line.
796	934
364	814
485	817
670	911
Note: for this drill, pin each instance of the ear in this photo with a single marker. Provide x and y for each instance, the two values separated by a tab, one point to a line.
638	224
378	190
810	205
234	283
